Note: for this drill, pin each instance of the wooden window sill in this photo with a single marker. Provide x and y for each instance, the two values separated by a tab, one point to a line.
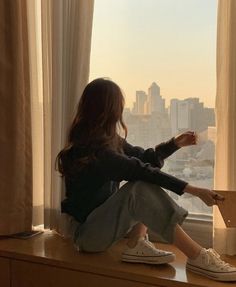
49	260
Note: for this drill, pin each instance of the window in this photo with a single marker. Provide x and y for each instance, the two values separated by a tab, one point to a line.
162	53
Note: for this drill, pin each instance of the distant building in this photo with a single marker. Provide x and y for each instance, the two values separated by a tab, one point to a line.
173	110
147	130
140	103
146	104
190	114
155	103
209	115
149	122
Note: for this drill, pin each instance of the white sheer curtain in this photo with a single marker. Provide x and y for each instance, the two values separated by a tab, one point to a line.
225	179
35	61
66	39
60	40
67	27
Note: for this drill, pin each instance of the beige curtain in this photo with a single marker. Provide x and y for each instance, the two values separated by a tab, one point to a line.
66	40
225	238
35	60
15	120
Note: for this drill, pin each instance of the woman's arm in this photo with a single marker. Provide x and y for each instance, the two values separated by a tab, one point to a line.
118	167
209	197
156	156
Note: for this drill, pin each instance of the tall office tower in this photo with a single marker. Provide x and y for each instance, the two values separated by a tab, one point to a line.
210	116
190	114
184	115
174	116
155	101
141	99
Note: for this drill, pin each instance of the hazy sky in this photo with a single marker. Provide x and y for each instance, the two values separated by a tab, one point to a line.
171	42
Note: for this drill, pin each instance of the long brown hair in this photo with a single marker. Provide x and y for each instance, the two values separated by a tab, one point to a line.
99	115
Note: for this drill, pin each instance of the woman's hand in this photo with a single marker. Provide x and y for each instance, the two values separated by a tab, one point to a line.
209	197
186	139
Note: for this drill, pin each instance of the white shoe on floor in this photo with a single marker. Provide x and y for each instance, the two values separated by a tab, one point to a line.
209	264
146	252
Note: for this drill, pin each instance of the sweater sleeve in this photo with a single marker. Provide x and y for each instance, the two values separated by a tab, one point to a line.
154	156
118	167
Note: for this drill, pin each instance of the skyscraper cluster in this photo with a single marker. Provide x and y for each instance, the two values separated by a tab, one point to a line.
149	103
148	122
190	114
151	122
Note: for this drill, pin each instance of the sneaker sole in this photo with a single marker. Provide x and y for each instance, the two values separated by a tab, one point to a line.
219	276
148	259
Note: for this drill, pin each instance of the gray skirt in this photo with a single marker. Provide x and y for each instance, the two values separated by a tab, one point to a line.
134	202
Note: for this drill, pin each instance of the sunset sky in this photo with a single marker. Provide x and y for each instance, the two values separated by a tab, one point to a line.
170	42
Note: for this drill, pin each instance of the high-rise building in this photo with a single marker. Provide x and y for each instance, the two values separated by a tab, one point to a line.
146	104
173	112
210	116
149	122
184	115
147	130
155	103
190	114
141	99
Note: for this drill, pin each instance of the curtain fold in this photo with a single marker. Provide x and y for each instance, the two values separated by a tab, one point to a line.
225	179
66	42
35	61
15	120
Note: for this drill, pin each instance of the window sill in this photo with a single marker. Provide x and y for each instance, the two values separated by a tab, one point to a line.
48	260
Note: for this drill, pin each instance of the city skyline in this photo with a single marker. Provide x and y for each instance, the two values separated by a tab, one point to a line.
135	41
150	123
142	97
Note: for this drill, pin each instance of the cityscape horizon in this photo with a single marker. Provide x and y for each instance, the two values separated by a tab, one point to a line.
129	106
150	123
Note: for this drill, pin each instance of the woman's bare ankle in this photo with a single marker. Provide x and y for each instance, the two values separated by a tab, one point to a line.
195	254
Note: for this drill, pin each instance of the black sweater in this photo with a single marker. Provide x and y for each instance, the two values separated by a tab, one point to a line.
100	179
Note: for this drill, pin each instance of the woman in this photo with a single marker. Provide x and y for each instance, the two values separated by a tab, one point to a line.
94	162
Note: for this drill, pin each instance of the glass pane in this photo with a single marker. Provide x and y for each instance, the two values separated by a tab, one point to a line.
162	54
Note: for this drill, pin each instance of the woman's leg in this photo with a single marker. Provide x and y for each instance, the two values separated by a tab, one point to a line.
135	202
185	244
181	240
137	232
203	261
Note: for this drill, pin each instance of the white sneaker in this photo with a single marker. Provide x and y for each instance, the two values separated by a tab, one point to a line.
146	252
209	264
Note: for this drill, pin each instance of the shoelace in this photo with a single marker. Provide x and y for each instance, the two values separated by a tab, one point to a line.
214	258
150	244
146	244
146	239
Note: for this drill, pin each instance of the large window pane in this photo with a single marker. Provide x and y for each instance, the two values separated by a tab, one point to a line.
162	54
